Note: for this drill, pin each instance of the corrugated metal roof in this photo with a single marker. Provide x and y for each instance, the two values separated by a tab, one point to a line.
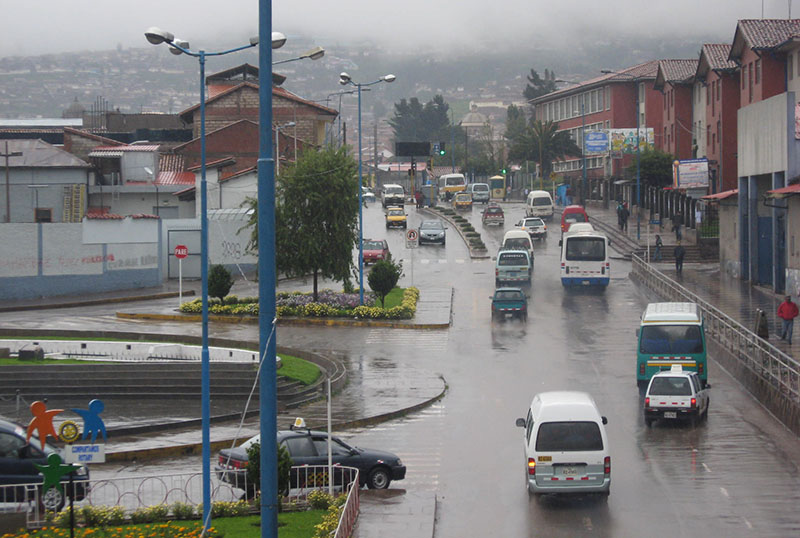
40	154
171	162
175	178
784	191
130	147
722	195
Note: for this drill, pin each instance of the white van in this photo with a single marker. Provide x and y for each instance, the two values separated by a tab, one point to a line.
539	204
584	259
479	192
566	447
518	240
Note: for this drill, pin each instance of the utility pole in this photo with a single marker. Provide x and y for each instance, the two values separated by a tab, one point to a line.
375	155
344	134
8	154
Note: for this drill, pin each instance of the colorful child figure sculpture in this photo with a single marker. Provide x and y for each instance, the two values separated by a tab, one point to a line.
92	423
42	422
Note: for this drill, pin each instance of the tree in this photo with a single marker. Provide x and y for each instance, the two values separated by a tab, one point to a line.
538	86
542	143
415	122
383	277
655	168
254	468
220	281
316	216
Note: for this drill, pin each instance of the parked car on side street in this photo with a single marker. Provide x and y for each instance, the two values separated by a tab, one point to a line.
432	231
396	218
377	468
509	302
375	250
493	214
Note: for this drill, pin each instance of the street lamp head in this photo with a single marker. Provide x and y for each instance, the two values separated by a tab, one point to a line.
388	78
254	41
344	78
178	43
156	35
606	71
278	40
315	54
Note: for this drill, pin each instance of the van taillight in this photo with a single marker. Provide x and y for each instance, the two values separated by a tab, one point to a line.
647	402
531	466
700	367
641	369
603	270
607	466
694	402
496	272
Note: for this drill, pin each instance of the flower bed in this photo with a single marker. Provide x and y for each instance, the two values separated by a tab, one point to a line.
298	304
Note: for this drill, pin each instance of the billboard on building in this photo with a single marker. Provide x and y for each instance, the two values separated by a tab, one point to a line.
596	141
690	174
624	140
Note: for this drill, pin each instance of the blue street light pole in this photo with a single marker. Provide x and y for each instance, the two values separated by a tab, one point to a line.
584	189
157	36
344	79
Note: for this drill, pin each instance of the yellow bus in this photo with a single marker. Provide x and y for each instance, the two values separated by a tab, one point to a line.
449	184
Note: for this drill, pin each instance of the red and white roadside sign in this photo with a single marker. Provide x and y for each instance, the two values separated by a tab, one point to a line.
181	251
412	238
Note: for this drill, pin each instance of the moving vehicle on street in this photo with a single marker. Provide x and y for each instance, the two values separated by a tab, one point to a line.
509	302
393	195
432	231
367	195
396	218
566	446
493	214
584	259
676	394
377	468
462	200
539	204
480	192
450	184
671	334
512	266
375	250
18	460
535	227
517	239
572	214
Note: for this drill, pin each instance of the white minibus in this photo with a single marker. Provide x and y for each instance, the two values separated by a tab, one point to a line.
584	259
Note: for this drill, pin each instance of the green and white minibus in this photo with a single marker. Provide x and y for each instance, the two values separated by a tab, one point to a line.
671	333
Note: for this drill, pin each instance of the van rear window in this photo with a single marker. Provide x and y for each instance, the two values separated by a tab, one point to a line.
542	200
512	258
671	386
588	249
670	339
569	437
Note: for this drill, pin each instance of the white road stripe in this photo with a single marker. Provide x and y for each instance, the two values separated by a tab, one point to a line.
749	525
724	492
706	467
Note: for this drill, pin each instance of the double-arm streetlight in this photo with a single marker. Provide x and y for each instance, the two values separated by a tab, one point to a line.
638	153
345	79
156	36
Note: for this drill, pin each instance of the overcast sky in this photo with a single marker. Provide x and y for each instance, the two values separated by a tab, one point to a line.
50	26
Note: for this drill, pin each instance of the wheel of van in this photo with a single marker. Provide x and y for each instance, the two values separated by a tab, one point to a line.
648	422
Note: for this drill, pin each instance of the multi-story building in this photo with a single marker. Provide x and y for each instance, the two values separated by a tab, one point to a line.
675	79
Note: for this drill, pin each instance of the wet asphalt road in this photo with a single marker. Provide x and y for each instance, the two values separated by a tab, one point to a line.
734	475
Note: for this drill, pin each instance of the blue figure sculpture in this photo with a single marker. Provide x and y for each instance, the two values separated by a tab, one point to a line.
92	423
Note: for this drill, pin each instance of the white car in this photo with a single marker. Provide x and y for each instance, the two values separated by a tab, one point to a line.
535	227
676	394
367	195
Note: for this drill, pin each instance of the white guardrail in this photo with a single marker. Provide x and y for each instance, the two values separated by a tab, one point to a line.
134	492
757	355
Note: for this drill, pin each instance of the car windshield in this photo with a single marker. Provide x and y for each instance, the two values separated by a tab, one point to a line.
462	197
431	225
512	258
670	386
373	245
670	339
508	295
569	437
586	249
454	181
542	200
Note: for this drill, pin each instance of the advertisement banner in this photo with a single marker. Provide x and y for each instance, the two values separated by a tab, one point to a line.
624	140
596	141
690	174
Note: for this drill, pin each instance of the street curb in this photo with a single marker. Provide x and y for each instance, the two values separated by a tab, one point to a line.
195	448
289	322
91	302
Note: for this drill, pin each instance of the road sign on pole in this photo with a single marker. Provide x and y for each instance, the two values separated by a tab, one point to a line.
412	239
180	252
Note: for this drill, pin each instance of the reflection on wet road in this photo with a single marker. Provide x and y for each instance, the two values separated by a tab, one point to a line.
736	474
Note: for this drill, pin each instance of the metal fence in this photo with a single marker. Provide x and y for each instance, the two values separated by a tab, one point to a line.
135	492
758	356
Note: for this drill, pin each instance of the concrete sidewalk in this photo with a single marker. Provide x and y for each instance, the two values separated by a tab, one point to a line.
737	298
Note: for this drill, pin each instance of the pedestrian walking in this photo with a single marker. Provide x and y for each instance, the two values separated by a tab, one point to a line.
625	214
619	215
657	253
679	253
787	311
677	219
418	198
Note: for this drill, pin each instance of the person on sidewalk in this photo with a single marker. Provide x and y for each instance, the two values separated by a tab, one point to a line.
680	252
625	214
619	215
659	244
787	311
676	225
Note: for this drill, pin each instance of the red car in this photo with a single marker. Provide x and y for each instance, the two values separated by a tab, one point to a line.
493	214
375	250
571	215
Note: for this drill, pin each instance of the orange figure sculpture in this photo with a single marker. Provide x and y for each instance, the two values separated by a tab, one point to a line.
42	422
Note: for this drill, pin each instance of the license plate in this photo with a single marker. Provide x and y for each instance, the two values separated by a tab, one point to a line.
670	414
569	471
585	282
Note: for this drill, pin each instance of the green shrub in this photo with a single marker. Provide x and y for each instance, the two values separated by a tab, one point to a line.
220	281
101	516
182	510
383	277
254	467
150	514
329	523
319	499
229	509
471	235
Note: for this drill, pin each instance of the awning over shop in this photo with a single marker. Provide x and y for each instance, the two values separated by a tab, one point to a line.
783	192
721	195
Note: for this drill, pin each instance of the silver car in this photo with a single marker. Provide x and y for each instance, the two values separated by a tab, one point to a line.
432	231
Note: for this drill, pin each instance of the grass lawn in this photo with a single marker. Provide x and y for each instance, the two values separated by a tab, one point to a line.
296	368
17	362
394	298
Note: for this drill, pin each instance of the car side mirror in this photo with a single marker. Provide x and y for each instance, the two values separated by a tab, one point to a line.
520	423
605	420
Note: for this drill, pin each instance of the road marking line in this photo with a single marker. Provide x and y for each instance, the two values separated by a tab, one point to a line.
749	525
442	261
424	261
706	467
460	261
724	491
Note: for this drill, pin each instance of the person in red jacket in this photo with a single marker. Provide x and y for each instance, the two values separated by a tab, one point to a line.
787	311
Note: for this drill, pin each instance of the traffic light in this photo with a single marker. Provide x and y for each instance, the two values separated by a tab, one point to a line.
441	148
504	171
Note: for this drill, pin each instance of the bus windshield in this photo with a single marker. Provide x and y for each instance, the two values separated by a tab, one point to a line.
670	339
586	249
454	181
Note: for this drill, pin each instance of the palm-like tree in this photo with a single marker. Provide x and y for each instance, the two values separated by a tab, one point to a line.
542	143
